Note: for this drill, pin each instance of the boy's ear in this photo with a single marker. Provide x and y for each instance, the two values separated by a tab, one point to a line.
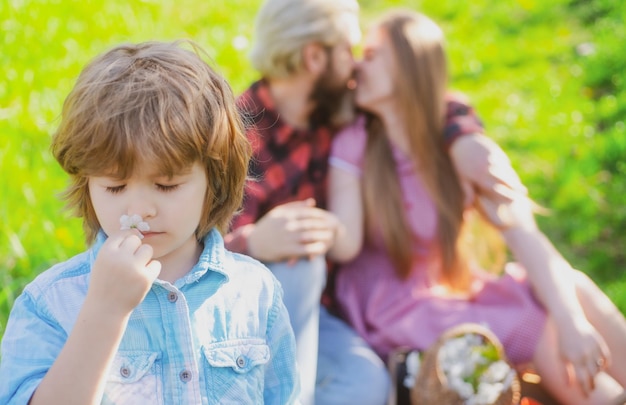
315	58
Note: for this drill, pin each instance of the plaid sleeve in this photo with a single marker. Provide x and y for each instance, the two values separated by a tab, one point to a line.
237	238
461	119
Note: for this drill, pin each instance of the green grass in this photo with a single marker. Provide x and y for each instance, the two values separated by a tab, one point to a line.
516	59
45	44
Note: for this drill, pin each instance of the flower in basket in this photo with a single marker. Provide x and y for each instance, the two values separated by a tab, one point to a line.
474	369
413	363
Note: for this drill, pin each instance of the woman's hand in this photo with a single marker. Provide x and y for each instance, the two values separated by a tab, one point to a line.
518	212
485	169
584	352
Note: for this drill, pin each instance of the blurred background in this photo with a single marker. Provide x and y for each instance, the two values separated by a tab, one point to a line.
548	78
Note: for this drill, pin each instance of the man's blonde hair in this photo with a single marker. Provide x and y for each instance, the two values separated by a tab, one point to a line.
155	102
284	27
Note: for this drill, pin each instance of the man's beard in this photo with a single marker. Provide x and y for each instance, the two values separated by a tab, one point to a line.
334	105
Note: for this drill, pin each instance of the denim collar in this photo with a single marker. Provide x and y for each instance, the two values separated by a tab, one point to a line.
212	257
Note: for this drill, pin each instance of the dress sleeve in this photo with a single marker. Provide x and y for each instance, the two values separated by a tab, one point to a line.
348	148
461	119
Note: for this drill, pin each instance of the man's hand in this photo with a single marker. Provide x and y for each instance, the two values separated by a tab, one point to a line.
123	272
291	231
483	168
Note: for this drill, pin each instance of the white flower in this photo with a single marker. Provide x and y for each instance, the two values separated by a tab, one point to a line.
463	388
134	222
496	372
460	348
413	364
488	393
473	371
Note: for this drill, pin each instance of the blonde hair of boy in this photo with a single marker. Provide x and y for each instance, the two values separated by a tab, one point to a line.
284	27
157	102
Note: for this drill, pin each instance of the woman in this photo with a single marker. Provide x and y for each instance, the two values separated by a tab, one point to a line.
406	277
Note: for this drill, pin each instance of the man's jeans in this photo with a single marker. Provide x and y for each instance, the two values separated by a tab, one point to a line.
347	370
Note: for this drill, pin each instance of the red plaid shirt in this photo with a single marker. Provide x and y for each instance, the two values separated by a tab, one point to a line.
292	164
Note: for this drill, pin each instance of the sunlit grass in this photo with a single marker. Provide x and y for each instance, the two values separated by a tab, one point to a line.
515	59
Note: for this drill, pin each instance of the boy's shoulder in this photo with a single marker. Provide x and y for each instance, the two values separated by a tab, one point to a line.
249	269
74	270
247	265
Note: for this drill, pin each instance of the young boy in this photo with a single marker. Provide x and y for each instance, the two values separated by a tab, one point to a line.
156	311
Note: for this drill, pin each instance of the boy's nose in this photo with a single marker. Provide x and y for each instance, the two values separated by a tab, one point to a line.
140	204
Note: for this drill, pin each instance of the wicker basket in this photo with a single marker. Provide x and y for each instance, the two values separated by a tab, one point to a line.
431	383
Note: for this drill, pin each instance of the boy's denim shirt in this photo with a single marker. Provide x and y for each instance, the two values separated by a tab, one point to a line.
219	335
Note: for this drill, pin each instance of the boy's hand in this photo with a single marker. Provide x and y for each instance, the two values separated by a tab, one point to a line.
123	272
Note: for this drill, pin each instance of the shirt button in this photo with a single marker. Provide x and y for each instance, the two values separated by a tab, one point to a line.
172	297
241	362
185	376
124	371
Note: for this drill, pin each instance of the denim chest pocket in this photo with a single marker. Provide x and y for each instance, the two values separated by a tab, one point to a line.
235	370
134	378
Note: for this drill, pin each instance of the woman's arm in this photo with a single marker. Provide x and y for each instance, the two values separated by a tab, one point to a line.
491	183
345	201
553	282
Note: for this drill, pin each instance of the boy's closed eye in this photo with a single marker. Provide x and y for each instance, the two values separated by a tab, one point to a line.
167	187
115	189
160	187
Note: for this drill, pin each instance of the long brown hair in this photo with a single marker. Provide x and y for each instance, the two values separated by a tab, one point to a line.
420	88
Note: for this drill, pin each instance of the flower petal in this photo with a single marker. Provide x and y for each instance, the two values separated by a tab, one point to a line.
133	221
125	222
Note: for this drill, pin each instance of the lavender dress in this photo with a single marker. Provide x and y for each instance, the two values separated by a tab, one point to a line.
389	312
